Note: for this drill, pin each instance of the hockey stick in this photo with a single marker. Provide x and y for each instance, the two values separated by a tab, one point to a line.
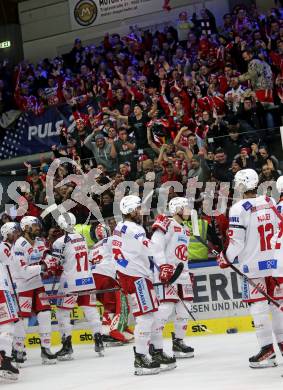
57	296
61	256
13	287
181	266
174	277
215	253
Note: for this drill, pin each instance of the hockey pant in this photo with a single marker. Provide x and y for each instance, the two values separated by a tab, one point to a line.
180	318
6	338
264	327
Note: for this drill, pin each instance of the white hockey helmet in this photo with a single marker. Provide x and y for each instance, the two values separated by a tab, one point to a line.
129	204
102	231
248	178
8	228
67	221
177	205
28	221
279	184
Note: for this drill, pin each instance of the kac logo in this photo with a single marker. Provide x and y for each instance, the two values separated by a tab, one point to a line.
85	12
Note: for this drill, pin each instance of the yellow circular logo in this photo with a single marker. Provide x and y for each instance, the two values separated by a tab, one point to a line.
85	12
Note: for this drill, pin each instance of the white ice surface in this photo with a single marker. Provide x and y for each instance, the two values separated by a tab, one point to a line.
221	363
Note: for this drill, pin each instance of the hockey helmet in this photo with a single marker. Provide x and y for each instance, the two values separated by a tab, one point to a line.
129	204
8	228
177	205
66	221
279	184
102	231
246	178
28	221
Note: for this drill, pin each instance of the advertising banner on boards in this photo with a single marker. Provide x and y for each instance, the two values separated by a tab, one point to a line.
87	13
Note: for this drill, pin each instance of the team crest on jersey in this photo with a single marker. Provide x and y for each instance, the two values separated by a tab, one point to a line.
177	229
181	252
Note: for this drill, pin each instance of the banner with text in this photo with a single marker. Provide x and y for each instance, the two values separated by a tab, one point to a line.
35	134
217	293
86	13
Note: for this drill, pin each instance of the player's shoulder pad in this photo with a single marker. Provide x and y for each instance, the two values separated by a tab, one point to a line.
239	208
247	206
162	222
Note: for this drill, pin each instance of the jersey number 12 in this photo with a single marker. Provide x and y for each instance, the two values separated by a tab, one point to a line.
265	233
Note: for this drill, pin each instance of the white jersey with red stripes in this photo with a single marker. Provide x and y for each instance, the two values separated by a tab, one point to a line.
171	242
26	269
278	240
101	258
5	261
132	251
252	224
72	252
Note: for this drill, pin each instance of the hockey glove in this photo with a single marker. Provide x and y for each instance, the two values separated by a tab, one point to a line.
222	260
50	265
166	273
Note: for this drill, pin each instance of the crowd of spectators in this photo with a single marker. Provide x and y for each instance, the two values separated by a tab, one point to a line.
196	100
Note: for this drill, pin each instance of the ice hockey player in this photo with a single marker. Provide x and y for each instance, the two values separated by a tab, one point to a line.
115	315
71	252
252	224
171	239
277	315
18	356
8	307
133	254
30	261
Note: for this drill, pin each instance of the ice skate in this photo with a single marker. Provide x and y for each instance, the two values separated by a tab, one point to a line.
159	356
264	359
66	352
110	342
7	369
145	366
99	347
19	357
47	356
180	349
